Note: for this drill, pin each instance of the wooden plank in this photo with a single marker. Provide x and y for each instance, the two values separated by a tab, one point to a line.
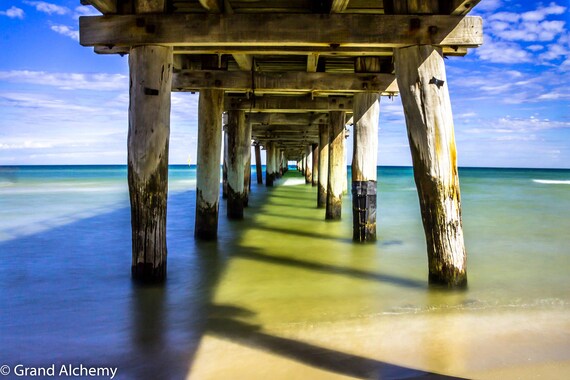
429	120
312	62
281	82
103	6
338	6
290	104
281	29
290	119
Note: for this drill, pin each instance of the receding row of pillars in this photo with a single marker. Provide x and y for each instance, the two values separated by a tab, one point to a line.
429	123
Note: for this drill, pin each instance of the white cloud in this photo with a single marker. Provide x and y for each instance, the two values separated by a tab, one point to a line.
66	31
503	52
541	13
13	12
68	81
48	8
535	47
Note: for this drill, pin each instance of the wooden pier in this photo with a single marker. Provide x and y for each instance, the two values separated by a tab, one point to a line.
289	75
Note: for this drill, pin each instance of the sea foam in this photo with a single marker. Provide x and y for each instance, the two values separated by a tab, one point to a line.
552	181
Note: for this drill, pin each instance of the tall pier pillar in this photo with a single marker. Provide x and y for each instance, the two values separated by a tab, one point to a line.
366	110
315	155
149	132
420	71
236	132
258	168
225	157
269	164
208	164
308	164
336	150
247	163
323	152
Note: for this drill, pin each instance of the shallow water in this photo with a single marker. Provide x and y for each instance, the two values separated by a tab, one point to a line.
284	294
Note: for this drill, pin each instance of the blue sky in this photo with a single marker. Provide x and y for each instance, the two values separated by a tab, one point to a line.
60	103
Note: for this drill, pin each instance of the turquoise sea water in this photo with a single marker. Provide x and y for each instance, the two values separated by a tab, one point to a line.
66	294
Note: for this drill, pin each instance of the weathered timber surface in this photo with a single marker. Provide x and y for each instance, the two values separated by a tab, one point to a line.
281	29
309	164
423	84
208	163
323	165
269	164
236	132
247	163
149	130
225	165
103	6
281	82
336	150
291	104
364	162
315	156
287	119
258	168
150	6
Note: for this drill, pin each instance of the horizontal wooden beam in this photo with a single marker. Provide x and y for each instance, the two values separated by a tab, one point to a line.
287	118
281	82
213	6
338	6
280	29
282	50
460	7
103	6
288	104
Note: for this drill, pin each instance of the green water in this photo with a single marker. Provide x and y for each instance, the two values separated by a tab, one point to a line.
284	294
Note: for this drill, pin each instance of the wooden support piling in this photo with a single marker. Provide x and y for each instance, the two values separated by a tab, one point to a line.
225	159
323	165
247	164
364	161
208	163
308	164
149	131
315	155
258	168
236	132
420	71
269	164
335	182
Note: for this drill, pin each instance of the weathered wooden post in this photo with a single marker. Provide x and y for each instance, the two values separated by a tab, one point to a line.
247	163
420	71
236	132
344	164
366	111
258	168
323	165
210	106
149	131
308	164
269	164
335	182
225	157
315	155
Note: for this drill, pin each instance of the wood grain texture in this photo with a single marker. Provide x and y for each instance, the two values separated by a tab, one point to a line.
149	130
236	132
336	160
208	163
429	121
281	82
323	165
280	30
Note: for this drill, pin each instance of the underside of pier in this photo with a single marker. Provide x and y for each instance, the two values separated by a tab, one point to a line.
290	76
